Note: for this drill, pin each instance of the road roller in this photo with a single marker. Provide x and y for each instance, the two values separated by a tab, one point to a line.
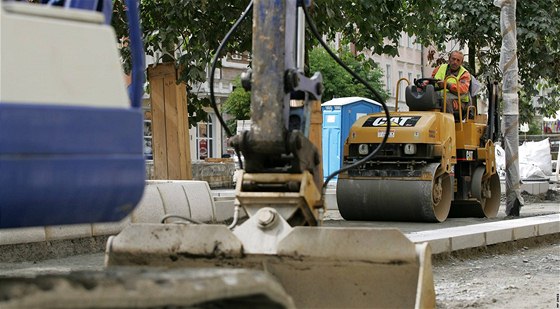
434	165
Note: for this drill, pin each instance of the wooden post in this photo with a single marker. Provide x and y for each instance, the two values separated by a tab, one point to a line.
170	127
316	131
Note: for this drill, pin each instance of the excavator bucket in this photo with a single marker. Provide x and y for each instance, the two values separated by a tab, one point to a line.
318	267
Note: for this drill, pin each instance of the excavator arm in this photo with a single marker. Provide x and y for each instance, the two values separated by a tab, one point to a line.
279	159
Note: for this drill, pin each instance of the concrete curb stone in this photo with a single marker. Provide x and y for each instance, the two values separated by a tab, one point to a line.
480	235
191	199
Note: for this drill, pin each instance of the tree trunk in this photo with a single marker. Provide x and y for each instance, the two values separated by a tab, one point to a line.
508	65
472	64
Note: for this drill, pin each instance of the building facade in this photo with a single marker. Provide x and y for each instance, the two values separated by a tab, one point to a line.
208	139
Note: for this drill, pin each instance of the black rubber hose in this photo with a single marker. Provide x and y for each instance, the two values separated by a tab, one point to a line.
213	69
313	29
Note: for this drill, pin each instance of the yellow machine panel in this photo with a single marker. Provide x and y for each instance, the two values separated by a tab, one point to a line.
406	127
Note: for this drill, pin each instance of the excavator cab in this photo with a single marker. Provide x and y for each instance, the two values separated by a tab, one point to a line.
70	141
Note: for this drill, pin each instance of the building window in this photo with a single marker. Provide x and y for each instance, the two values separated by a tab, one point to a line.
388	79
410	78
217	72
148	150
204	139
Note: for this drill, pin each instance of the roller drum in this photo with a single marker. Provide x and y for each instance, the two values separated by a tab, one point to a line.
396	199
486	200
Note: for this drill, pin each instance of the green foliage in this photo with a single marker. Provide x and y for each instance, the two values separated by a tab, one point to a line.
374	25
189	31
538	40
542	98
237	105
336	82
535	128
186	32
538	31
339	83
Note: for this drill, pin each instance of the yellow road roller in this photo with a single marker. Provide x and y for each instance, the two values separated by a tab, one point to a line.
433	166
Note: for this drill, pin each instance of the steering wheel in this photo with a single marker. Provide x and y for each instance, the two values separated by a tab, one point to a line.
420	82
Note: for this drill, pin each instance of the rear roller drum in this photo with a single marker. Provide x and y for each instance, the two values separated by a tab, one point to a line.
486	197
396	199
490	196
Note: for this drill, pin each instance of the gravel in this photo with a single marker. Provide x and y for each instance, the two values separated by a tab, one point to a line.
525	277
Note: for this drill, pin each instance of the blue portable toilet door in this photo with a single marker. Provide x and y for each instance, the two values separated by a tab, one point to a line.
339	115
331	141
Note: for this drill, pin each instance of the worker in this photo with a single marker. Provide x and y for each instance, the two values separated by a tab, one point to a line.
454	67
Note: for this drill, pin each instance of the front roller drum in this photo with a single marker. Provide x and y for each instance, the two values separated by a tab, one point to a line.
426	199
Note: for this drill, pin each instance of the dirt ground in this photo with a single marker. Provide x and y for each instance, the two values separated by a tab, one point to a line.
548	196
520	276
525	277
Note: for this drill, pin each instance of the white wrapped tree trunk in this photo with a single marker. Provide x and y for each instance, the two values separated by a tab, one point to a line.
508	65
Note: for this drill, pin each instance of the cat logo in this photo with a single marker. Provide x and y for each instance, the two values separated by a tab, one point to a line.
399	121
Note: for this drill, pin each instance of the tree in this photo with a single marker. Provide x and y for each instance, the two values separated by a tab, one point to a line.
374	25
337	82
237	105
539	56
189	31
477	25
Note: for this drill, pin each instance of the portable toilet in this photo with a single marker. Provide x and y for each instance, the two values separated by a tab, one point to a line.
338	116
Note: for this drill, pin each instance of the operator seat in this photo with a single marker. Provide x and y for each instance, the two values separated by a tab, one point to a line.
423	100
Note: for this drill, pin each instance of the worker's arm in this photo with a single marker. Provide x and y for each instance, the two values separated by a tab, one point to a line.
434	72
463	86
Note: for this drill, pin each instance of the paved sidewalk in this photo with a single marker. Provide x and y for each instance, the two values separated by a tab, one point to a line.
538	219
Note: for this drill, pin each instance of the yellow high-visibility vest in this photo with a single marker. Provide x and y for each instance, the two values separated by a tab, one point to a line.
440	74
